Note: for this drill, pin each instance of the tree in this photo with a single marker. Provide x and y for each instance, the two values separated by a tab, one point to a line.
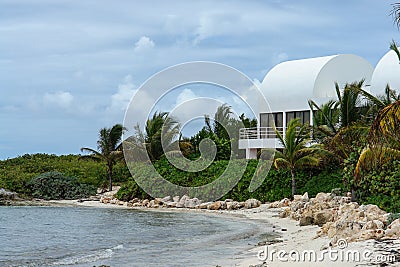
396	19
161	132
345	120
297	151
396	13
109	149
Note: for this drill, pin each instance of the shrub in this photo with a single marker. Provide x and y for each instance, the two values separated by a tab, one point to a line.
55	185
382	187
277	183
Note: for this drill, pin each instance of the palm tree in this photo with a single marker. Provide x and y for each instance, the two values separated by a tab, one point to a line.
297	151
396	19
396	13
109	149
344	121
161	133
384	140
221	120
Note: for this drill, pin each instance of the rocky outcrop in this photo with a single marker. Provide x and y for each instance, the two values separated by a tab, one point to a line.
7	195
339	218
183	202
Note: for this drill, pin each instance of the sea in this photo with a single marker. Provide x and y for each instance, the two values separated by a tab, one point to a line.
82	236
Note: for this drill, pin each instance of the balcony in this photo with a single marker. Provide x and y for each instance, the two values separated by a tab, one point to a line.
252	139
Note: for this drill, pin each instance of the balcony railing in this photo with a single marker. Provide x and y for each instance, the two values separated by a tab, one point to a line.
259	132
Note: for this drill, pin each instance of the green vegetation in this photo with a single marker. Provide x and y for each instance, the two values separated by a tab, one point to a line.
275	186
17	172
55	185
110	149
296	154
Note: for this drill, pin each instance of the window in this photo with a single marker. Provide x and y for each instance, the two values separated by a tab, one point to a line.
271	120
303	115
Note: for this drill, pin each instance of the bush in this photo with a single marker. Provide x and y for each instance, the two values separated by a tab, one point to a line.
54	185
277	183
17	172
382	187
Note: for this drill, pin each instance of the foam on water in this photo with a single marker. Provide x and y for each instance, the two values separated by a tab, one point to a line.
93	257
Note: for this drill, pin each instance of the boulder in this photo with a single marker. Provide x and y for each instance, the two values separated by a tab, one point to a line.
393	230
166	199
175	199
214	206
322	217
306	220
373	225
252	203
305	197
192	203
323	197
4	194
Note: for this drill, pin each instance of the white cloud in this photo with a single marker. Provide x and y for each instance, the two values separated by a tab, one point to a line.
144	43
59	99
185	95
121	99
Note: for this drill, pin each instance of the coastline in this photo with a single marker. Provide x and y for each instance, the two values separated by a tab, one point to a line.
292	238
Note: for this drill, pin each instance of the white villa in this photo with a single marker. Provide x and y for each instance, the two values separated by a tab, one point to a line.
289	85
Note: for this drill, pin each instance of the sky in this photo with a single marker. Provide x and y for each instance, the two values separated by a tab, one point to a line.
69	68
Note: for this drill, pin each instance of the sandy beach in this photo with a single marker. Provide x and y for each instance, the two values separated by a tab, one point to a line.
296	246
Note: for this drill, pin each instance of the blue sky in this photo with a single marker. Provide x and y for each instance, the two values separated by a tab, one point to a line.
68	68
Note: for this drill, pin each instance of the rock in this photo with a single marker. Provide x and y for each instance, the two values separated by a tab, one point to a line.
297	197
305	197
192	203
285	213
323	197
151	203
373	225
306	220
166	199
183	199
145	202
135	200
204	205
322	217
284	202
171	204
393	230
228	200
234	205
252	203
176	198
214	206
372	212
4	194
157	201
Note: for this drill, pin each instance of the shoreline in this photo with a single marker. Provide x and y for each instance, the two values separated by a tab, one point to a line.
291	237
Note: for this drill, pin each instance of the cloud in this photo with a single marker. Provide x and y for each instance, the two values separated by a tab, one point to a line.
59	99
143	44
121	99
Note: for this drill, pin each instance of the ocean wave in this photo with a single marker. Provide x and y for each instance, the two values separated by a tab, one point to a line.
93	257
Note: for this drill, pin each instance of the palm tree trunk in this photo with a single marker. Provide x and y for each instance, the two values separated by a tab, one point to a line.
293	182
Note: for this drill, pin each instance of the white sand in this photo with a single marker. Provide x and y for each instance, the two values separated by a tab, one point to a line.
295	240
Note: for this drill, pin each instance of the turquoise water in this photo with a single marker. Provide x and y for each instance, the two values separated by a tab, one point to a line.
75	236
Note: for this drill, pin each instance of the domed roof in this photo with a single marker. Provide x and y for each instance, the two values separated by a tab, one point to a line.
387	71
289	85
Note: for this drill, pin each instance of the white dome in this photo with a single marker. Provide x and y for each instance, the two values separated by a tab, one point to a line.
387	71
289	85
